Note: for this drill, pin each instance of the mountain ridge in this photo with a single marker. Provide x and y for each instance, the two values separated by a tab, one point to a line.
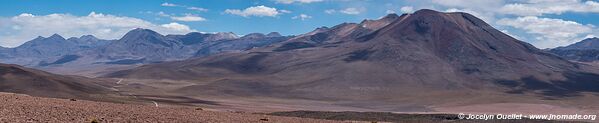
589	43
424	54
586	50
136	47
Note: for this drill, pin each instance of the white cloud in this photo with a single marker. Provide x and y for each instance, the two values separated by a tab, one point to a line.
188	18
541	7
407	9
297	1
19	29
26	15
486	5
549	32
512	35
161	13
198	9
177	27
285	11
532	12
590	36
349	11
483	9
301	17
168	4
330	11
352	11
390	11
259	11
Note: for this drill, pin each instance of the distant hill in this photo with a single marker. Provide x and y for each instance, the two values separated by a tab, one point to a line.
17	79
586	50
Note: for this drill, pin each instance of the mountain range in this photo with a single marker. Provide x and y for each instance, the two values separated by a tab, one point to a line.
412	60
409	62
138	46
41	48
586	50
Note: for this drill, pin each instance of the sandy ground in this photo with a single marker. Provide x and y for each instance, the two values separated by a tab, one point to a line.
520	108
23	108
490	103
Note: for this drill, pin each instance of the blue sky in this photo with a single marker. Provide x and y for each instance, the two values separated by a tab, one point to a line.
544	23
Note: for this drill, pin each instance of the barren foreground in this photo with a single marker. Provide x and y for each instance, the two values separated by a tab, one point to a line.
23	108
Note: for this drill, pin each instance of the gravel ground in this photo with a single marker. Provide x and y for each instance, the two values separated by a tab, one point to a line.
23	108
401	118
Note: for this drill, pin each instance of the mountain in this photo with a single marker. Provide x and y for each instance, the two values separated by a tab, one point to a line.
196	37
222	36
380	23
4	52
40	49
589	43
586	50
422	59
89	41
273	34
143	44
88	55
17	79
254	35
244	43
147	46
54	45
341	32
261	36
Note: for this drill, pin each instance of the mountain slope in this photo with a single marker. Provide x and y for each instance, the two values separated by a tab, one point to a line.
589	43
586	50
17	79
344	31
196	37
426	54
240	44
89	41
143	44
4	52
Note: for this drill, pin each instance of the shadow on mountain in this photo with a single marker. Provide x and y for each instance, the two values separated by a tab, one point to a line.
246	66
575	83
62	60
358	55
293	46
127	61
